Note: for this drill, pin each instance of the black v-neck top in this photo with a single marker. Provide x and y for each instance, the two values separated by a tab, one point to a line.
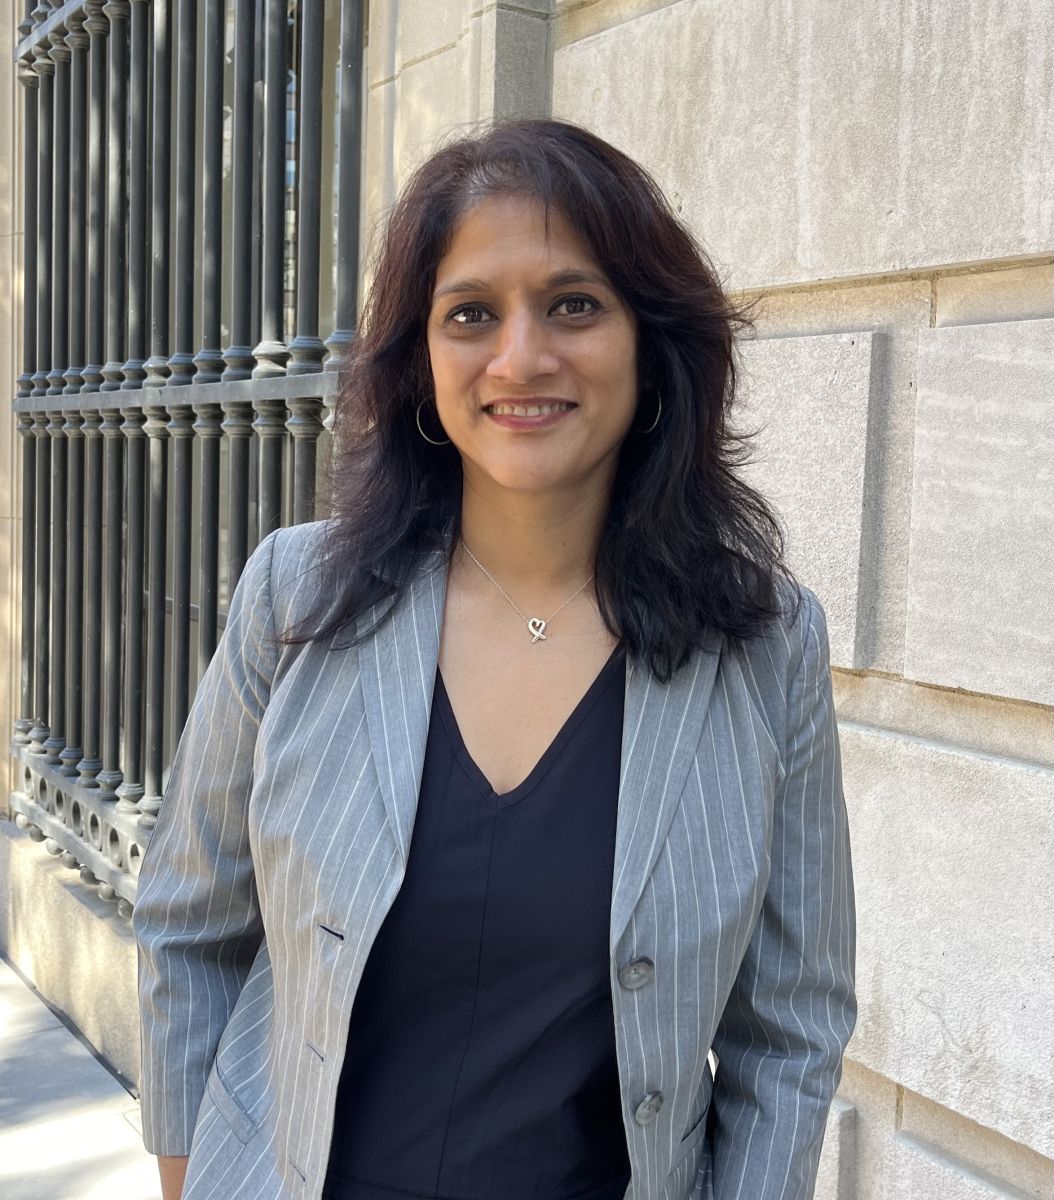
480	1062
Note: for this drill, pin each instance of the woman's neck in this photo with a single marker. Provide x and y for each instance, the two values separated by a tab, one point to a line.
533	541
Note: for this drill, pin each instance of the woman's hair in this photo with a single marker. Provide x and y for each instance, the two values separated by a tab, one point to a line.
688	549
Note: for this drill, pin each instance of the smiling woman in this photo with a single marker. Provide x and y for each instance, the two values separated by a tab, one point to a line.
536	266
512	799
519	353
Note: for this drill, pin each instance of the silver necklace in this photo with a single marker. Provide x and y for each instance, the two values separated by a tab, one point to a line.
535	625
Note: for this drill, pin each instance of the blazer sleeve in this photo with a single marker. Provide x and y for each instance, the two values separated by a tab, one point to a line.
792	1007
196	918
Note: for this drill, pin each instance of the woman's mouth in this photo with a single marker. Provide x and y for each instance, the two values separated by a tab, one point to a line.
528	416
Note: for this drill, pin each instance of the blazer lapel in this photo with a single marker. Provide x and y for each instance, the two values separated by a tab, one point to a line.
661	729
398	668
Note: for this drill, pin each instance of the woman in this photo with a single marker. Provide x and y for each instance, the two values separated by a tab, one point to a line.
514	789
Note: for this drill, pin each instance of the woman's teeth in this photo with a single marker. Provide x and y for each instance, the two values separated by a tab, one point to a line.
530	410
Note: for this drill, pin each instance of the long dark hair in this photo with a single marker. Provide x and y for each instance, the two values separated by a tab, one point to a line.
688	549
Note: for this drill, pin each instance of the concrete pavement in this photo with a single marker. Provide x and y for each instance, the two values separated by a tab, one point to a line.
69	1130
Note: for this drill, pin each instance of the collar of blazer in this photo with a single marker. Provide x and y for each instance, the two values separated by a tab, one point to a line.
661	731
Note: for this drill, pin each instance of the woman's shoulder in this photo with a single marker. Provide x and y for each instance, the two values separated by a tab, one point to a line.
797	633
297	549
282	568
789	659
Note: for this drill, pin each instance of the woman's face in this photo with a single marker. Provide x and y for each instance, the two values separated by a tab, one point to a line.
519	321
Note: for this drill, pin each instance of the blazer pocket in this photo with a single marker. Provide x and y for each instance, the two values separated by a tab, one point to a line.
242	1125
690	1140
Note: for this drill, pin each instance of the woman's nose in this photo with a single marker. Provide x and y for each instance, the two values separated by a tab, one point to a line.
523	351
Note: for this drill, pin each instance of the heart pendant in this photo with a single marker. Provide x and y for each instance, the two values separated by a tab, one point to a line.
537	626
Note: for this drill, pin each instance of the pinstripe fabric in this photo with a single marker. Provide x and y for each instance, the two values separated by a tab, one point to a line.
283	839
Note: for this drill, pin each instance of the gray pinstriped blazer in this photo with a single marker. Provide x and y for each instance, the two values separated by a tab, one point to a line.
283	839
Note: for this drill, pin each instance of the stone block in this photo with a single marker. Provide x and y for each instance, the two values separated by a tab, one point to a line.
435	99
426	27
379	189
914	1168
893	305
835	1178
877	1104
934	1130
812	141
381	41
514	81
573	20
453	67
10	363
981	571
1020	294
810	398
973	720
10	641
897	308
72	946
955	903
10	135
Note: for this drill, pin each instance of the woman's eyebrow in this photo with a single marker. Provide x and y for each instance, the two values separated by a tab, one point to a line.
559	279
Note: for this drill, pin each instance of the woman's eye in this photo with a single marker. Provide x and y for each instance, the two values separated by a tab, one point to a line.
573	306
575	301
470	312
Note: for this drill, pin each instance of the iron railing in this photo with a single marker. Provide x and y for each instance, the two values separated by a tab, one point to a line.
192	208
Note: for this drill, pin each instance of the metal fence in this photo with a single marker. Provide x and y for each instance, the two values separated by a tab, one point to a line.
192	184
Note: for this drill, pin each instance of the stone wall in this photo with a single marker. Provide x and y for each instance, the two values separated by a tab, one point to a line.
880	173
436	70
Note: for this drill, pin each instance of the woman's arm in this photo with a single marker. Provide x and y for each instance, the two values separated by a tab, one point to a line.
196	918
173	1170
793	1006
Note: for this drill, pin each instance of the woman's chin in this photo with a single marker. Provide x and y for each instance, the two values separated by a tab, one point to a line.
513	480
529	471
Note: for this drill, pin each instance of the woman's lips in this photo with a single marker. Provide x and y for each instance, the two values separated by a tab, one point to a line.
542	421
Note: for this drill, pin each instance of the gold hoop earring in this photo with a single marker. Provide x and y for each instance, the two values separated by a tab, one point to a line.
422	432
657	414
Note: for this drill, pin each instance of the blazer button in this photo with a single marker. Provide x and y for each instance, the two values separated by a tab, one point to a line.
636	973
648	1109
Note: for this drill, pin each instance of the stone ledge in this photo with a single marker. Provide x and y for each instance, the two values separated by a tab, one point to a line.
915	1168
73	947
